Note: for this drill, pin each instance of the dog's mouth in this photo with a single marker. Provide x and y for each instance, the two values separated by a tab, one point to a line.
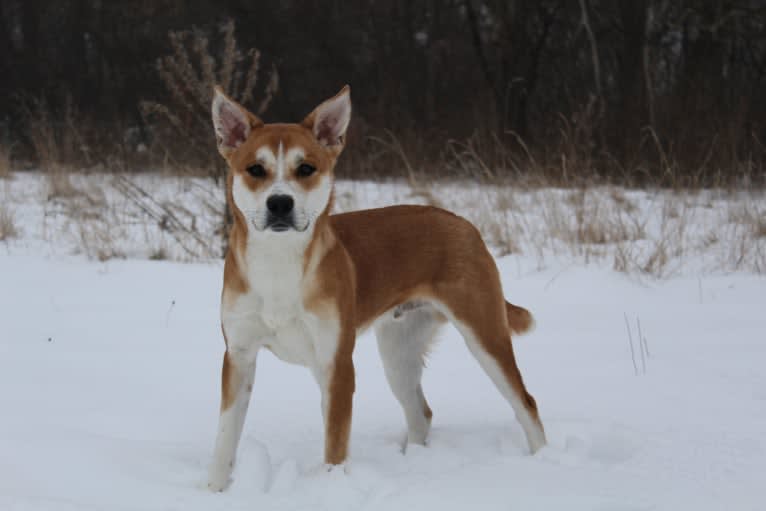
280	226
280	223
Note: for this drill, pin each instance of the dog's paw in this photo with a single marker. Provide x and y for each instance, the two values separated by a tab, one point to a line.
218	485
329	468
218	479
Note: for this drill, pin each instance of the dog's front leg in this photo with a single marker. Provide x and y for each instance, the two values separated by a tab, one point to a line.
237	377
335	375
340	394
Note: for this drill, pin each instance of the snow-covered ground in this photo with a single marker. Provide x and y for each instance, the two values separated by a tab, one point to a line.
109	377
109	370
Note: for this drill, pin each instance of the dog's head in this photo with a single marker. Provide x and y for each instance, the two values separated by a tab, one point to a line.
281	175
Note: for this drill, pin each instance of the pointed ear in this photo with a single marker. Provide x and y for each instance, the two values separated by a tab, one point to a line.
232	122
329	120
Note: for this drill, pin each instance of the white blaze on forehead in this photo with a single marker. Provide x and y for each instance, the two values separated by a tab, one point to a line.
265	156
287	160
294	156
280	170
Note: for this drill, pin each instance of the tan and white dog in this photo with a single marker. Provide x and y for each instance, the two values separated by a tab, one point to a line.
302	283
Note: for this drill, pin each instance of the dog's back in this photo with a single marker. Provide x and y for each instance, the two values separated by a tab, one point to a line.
425	247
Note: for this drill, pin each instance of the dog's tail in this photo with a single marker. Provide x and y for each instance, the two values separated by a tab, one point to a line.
520	320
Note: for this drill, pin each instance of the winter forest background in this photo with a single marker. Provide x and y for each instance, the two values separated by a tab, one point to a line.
628	91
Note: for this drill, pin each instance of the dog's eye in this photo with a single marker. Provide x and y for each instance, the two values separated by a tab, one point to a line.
305	170
256	170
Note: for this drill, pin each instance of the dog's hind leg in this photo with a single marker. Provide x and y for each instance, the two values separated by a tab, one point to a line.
495	355
404	336
483	323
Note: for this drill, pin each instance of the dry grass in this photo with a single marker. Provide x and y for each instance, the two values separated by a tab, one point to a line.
502	231
585	223
198	63
97	241
171	217
5	161
752	216
572	155
113	217
656	233
8	227
57	144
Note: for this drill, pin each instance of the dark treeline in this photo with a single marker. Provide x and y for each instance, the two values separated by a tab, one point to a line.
618	88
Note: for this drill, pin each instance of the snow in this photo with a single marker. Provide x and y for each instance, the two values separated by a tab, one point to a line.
109	381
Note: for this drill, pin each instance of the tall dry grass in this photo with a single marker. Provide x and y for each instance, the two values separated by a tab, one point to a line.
57	142
654	233
8	226
571	155
5	161
183	133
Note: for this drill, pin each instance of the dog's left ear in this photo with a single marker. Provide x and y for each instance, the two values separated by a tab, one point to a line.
329	120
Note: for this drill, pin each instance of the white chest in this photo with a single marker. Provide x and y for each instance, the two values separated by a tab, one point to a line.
271	313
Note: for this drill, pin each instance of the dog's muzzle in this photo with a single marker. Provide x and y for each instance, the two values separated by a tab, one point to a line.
280	217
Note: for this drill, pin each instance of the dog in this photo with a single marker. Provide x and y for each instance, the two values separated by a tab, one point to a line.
303	283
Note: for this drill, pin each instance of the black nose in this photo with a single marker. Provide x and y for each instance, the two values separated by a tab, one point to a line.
279	205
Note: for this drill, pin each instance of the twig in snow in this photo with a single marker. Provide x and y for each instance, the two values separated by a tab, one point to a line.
641	347
630	342
163	215
641	338
167	314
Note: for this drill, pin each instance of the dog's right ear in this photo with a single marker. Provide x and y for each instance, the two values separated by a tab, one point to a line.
232	122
